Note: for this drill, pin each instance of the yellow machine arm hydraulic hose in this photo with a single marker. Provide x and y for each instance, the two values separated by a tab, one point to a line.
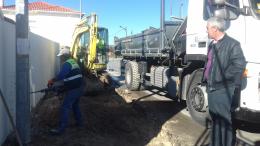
93	43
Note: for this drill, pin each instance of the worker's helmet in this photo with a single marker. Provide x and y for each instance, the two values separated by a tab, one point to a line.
64	51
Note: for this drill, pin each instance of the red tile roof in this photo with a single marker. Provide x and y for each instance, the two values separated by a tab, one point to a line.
44	6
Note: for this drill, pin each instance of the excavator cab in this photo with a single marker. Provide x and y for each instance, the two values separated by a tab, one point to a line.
102	47
90	45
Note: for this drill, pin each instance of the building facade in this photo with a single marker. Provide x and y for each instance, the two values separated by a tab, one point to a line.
53	22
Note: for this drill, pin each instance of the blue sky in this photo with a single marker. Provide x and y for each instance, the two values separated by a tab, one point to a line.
135	15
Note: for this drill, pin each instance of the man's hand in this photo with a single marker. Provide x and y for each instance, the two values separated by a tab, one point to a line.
50	83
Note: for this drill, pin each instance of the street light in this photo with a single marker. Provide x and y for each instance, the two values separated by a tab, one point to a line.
181	9
80	7
177	18
125	29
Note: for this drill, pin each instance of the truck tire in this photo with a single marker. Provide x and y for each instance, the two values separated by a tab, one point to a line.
132	76
197	99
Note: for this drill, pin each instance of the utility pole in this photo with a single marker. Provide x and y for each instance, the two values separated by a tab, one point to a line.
125	29
2	3
162	23
181	9
23	115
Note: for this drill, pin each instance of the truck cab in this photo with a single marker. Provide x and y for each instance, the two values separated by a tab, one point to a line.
243	21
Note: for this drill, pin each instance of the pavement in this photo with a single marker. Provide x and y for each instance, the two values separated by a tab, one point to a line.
245	138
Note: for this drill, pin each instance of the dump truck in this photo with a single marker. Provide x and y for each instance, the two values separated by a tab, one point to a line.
173	56
90	45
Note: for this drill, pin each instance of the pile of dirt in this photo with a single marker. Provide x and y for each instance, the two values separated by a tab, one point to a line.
108	120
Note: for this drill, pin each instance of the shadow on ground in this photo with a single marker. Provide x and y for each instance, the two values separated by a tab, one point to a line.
108	120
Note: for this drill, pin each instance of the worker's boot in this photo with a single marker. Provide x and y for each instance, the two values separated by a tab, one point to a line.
57	131
79	124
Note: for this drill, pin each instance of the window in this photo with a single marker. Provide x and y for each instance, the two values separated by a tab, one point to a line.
84	43
209	8
255	4
102	45
82	52
103	33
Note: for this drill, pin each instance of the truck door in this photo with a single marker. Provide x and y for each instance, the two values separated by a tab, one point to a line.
196	43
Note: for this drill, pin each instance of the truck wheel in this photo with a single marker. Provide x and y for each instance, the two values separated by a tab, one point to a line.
197	99
132	77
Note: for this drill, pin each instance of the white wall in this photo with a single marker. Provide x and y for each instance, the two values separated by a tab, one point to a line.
43	66
7	74
57	28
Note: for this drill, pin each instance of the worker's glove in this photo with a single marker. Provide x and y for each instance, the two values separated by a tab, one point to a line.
50	83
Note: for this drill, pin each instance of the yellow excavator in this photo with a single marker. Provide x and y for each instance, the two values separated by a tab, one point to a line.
90	49
90	45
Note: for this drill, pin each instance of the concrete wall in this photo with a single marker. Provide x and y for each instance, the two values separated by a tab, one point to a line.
43	66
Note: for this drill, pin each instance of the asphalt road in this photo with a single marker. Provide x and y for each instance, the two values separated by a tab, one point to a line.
178	123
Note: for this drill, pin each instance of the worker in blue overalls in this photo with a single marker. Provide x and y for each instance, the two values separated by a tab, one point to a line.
71	76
